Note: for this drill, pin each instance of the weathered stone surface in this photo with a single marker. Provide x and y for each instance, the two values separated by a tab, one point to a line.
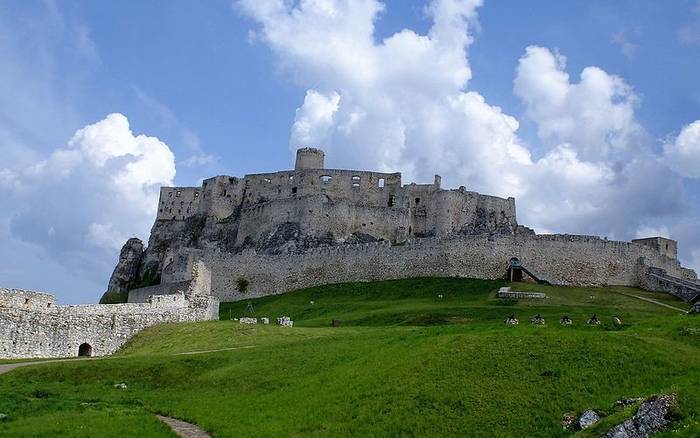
588	419
127	270
627	401
32	325
311	226
652	416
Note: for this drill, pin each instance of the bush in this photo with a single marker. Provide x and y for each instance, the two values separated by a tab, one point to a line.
242	284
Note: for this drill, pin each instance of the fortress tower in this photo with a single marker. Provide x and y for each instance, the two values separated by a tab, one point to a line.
309	158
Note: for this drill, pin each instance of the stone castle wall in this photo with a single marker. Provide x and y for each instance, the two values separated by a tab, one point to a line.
38	328
178	203
561	259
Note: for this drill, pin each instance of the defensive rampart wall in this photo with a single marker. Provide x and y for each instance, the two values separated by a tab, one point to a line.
36	329
561	259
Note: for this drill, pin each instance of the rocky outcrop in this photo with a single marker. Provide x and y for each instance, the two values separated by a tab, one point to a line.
653	415
588	419
127	272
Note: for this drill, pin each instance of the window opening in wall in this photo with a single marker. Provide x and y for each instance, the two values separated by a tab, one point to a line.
381	183
417	201
85	350
26	301
170	194
391	201
356	185
178	193
326	179
294	190
667	247
48	305
224	192
196	194
291	177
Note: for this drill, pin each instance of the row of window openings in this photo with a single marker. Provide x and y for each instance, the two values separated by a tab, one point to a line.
327	179
26	302
179	193
170	210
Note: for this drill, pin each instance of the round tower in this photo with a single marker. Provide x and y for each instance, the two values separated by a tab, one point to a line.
309	158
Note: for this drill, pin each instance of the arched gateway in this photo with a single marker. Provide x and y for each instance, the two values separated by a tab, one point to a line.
85	350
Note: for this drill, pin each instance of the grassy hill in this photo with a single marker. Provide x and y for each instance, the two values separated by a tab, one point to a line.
403	363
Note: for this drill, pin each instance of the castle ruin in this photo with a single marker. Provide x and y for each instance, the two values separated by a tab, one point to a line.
32	325
311	226
271	233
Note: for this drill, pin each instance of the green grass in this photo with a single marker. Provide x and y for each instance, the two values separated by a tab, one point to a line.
403	363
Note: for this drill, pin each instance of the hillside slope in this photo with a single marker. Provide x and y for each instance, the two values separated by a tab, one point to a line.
403	363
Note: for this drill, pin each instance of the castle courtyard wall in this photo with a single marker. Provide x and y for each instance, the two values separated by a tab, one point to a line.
30	327
560	259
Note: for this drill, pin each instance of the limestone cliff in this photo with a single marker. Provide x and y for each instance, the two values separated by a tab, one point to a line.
126	274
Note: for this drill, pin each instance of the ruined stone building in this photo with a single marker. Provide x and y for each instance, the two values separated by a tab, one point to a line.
32	325
236	238
311	225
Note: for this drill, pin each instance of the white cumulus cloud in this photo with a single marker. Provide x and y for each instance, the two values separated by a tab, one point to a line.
683	153
596	113
92	194
404	103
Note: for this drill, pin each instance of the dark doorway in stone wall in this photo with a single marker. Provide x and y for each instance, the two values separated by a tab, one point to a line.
85	350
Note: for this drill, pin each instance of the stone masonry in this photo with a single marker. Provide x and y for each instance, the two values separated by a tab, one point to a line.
32	325
311	226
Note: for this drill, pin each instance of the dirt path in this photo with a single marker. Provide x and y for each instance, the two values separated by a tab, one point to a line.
183	429
214	351
658	303
11	366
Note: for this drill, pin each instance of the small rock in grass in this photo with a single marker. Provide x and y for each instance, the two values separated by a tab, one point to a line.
616	321
695	310
568	420
3	417
265	320
565	320
120	385
588	419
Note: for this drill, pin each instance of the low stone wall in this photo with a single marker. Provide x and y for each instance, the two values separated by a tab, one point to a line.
28	331
505	292
141	295
26	299
560	259
659	280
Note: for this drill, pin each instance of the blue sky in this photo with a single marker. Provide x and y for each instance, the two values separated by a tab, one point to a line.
223	87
